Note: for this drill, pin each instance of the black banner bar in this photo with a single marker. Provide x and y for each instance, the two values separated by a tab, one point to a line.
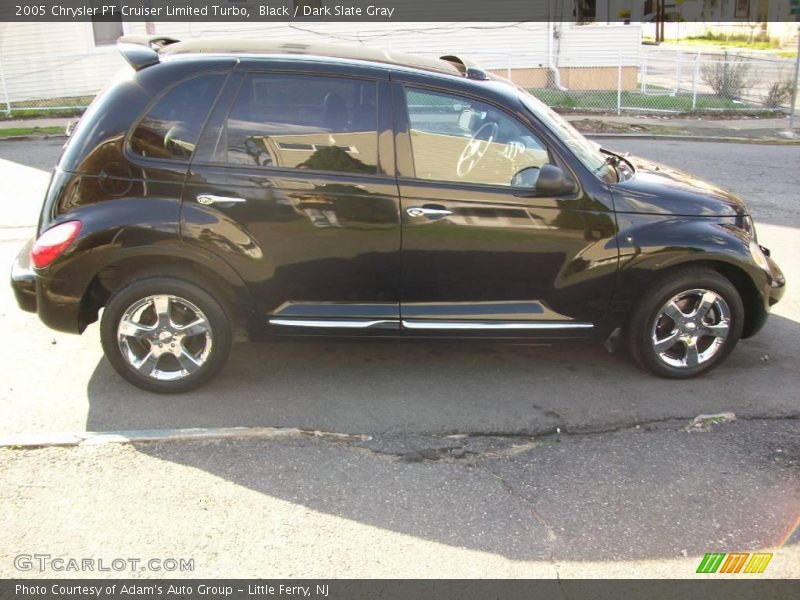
745	11
715	586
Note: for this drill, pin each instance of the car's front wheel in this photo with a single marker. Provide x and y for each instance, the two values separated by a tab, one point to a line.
165	334
687	324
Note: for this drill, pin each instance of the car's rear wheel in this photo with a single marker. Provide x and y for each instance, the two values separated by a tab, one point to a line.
165	334
687	324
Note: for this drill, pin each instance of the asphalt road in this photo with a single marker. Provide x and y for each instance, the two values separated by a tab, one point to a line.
401	387
481	462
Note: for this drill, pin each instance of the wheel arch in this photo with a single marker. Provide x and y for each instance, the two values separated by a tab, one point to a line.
208	270
741	280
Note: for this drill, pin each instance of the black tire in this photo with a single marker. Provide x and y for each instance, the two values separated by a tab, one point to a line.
214	350
642	325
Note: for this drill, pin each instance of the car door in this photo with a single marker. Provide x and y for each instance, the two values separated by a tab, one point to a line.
483	251
293	185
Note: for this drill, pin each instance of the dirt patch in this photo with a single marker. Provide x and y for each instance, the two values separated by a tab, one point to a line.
600	126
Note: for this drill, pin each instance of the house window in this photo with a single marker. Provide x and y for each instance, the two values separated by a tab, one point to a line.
741	9
585	11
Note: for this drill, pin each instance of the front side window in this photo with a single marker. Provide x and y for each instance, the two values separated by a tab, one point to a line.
171	127
303	122
456	139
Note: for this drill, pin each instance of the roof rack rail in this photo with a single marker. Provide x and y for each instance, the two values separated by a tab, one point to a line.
142	50
468	68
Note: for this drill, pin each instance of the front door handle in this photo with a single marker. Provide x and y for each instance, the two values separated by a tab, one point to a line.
427	211
209	199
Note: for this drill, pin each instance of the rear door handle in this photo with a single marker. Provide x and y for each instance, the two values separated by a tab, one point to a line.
208	199
427	211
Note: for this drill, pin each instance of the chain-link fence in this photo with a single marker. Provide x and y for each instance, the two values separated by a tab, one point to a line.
661	80
654	80
56	84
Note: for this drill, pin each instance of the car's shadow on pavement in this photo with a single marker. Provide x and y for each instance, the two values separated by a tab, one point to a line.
466	387
641	493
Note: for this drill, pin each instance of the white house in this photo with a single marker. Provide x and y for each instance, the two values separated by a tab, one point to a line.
69	60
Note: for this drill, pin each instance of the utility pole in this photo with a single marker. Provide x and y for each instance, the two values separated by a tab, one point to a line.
793	109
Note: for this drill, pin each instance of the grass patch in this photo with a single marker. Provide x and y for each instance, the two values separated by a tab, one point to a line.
607	100
25	113
70	106
16	131
735	43
746	46
757	41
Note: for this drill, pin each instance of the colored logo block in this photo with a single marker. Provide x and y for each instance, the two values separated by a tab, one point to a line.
734	562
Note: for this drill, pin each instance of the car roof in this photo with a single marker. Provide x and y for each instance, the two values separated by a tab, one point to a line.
447	65
460	72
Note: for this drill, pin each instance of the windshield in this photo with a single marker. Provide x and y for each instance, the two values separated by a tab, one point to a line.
587	152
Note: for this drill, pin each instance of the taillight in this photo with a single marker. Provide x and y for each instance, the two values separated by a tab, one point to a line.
53	242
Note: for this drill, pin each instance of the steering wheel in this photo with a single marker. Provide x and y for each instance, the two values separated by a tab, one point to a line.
476	148
515	148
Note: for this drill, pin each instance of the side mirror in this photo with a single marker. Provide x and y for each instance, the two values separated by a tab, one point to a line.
526	178
553	182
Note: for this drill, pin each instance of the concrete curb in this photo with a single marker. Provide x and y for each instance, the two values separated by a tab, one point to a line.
49	440
687	138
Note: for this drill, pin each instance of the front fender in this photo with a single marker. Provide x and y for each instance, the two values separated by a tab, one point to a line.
652	245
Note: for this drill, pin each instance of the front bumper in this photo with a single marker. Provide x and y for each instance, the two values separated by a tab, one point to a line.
770	294
23	279
778	284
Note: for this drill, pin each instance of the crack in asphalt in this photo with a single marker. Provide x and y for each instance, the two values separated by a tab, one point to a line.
549	531
459	453
462	447
562	430
471	447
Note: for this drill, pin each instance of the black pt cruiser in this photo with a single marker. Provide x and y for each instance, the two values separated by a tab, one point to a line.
228	189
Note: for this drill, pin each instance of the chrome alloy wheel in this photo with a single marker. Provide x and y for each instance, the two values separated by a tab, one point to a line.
691	328
164	337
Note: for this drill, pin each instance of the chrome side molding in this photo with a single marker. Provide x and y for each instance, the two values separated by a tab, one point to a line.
487	325
427	325
340	324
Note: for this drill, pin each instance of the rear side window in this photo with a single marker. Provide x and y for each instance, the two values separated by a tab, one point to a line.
170	129
303	122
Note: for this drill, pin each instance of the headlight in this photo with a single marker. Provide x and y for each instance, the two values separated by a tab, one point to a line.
745	223
758	256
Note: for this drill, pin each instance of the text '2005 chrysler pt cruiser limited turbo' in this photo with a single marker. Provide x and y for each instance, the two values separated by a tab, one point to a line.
227	189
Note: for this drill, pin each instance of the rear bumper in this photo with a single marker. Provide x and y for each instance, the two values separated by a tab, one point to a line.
23	279
53	300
